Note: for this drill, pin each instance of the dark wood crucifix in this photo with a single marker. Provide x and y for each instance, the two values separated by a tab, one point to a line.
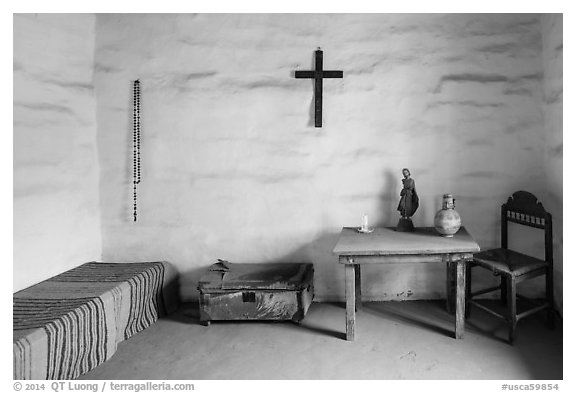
318	74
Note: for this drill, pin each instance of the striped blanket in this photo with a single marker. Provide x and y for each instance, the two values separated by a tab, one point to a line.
70	323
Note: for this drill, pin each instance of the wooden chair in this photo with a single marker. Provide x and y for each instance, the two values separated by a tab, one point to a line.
514	267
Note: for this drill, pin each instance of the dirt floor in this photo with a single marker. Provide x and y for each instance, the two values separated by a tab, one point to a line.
394	340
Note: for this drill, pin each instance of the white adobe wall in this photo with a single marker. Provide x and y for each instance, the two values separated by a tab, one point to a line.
552	56
233	167
56	194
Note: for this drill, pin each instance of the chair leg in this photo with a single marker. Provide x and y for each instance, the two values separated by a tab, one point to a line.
550	297
512	318
503	288
468	290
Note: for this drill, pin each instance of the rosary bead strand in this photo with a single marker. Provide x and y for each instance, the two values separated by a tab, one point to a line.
136	146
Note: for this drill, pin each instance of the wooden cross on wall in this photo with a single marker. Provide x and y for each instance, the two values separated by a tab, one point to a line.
318	74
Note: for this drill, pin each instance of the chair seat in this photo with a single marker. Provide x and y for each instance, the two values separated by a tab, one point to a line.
502	260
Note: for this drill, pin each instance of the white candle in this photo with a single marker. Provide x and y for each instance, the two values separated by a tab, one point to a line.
365	222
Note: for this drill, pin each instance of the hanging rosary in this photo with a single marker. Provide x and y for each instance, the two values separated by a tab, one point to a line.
136	144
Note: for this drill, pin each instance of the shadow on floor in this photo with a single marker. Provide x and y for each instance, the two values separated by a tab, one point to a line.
427	318
188	313
538	346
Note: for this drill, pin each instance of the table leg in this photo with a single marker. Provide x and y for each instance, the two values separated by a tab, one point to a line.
460	298
358	287
468	289
450	281
350	301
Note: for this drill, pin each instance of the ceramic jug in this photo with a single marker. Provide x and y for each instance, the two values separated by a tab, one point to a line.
447	220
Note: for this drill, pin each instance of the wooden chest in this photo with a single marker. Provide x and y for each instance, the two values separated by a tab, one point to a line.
243	291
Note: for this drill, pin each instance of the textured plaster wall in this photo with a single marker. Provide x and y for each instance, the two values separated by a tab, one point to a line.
233	168
56	199
552	52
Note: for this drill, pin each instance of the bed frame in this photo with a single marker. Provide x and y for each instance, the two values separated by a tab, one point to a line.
67	325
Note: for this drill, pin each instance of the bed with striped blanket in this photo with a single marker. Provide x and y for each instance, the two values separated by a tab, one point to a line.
71	323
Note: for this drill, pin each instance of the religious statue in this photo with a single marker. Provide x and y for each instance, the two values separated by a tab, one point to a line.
408	203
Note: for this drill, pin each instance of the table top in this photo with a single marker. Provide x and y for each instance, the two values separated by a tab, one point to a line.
387	241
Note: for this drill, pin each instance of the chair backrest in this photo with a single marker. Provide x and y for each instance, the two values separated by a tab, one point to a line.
523	208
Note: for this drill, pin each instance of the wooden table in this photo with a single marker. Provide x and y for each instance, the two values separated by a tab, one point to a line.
385	245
